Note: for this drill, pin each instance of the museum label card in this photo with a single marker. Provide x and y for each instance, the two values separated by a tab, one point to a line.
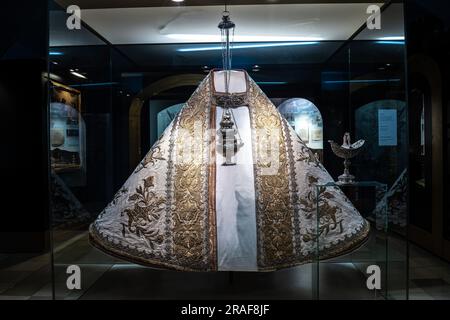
387	127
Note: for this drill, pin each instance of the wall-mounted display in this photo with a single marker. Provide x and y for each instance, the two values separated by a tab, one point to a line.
387	127
66	129
385	142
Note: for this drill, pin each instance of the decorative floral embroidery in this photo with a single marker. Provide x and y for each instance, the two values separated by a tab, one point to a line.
306	155
152	157
327	213
145	214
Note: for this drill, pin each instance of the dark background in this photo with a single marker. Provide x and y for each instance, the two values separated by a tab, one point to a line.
23	51
23	130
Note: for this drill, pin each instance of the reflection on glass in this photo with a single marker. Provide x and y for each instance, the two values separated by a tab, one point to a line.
67	130
306	120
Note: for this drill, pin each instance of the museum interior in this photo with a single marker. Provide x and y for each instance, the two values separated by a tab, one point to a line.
147	143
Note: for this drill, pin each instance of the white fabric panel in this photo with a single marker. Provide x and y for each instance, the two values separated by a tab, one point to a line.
235	203
238	82
235	190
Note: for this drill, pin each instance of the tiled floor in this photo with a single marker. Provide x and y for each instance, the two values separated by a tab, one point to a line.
430	276
104	277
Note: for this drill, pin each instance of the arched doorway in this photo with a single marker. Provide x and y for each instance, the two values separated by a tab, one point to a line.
426	161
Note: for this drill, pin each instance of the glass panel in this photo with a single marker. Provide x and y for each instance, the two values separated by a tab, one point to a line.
341	275
81	148
112	100
364	87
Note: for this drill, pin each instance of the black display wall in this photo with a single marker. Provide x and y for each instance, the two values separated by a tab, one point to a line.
23	133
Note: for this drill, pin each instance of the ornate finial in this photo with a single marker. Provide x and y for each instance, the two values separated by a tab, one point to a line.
226	27
226	23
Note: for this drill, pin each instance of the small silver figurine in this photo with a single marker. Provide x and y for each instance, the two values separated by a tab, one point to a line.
347	151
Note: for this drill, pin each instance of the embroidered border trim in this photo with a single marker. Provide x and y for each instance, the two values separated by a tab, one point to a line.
274	209
189	205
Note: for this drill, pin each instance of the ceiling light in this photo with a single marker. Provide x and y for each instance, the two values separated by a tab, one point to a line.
392	38
98	84
256	68
249	46
205	38
391	42
205	69
177	0
54	77
79	75
271	83
361	81
55	53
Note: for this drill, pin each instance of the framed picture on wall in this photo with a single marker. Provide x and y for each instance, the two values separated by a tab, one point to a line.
66	131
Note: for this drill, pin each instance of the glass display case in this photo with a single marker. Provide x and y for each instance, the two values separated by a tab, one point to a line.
131	92
121	87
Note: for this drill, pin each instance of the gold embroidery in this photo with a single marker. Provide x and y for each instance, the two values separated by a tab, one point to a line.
153	155
145	214
189	207
273	204
212	189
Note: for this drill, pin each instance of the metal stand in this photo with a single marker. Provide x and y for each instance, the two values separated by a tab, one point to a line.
346	178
